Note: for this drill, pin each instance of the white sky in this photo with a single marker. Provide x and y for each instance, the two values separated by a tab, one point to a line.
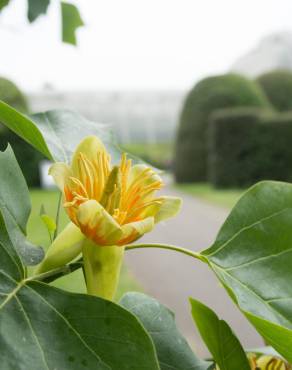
136	44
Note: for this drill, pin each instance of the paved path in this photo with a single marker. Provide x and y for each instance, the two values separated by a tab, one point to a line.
172	277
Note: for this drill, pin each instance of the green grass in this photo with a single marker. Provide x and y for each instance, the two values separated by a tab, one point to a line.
221	197
38	234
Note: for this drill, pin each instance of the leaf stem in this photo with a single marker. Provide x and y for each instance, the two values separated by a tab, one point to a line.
173	248
58	216
54	274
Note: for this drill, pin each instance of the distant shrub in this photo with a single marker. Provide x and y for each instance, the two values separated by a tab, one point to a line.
11	95
248	145
210	94
278	87
232	138
27	157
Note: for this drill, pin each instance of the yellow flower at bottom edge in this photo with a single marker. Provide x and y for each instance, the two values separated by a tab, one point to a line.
111	205
267	362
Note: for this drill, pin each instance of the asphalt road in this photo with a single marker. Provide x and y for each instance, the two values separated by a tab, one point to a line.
172	277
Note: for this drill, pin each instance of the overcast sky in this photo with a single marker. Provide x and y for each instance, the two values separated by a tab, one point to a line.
136	44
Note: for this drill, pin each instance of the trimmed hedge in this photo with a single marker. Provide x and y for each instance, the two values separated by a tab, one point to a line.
28	158
246	146
278	87
210	94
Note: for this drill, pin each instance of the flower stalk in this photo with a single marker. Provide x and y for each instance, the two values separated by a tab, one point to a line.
102	266
173	248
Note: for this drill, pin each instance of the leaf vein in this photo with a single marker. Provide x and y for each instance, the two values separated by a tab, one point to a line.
33	332
70	326
13	292
259	259
266	302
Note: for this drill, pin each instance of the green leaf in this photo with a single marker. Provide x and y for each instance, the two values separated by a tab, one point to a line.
63	130
43	328
260	201
49	222
71	20
219	338
252	257
23	127
36	8
57	133
15	207
172	349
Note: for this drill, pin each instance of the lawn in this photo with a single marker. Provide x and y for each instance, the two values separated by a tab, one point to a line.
38	234
221	197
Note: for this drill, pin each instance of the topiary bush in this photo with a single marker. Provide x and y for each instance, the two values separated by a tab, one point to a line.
12	95
278	87
232	141
248	145
27	157
208	95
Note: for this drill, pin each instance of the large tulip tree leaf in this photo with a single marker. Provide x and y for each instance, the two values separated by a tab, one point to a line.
15	207
24	127
172	349
57	133
260	201
222	343
44	328
63	130
252	256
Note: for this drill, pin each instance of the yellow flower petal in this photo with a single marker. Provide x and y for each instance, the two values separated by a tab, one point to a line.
152	209
60	173
135	230
143	173
89	147
111	205
169	207
97	224
266	362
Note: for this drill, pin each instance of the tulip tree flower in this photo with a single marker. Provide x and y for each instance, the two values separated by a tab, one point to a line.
109	207
266	362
